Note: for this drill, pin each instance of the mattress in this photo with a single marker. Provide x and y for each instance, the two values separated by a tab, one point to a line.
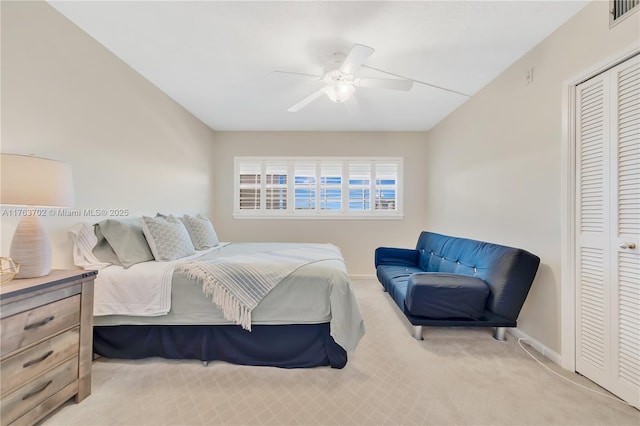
316	293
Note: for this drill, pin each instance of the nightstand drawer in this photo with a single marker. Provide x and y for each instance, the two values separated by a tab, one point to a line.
30	326
33	393
26	365
46	330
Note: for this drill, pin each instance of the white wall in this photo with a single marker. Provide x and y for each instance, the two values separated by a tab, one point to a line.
356	238
67	98
494	165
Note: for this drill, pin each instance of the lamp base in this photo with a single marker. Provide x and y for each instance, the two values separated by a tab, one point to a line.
31	248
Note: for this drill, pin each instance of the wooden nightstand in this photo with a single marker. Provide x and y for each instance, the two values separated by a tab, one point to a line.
46	335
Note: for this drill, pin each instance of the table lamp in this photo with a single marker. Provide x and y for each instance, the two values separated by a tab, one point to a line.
32	181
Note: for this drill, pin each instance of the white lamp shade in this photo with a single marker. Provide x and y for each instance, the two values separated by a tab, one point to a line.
33	181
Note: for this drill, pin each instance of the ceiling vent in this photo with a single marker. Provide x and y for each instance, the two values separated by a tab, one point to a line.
620	9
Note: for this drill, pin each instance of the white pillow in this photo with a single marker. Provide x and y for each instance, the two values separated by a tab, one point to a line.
201	231
168	238
84	240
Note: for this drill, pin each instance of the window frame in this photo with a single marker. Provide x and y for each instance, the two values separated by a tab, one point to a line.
318	212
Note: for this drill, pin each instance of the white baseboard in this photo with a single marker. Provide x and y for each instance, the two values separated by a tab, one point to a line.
544	350
362	276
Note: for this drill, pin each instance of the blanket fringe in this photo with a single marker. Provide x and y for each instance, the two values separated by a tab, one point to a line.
222	298
267	269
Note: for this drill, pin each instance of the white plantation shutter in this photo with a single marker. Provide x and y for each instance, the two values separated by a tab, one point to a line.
249	182
305	185
386	186
607	228
276	185
359	186
316	187
331	185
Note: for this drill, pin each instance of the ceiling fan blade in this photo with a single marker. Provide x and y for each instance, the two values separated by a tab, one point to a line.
418	81
296	75
384	83
356	57
312	97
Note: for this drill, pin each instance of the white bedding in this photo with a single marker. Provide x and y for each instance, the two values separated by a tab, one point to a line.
143	289
151	293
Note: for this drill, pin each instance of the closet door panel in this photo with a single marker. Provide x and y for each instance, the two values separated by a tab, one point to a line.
593	223
625	241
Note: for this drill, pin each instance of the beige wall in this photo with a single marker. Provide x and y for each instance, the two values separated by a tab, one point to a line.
66	97
494	165
491	170
356	238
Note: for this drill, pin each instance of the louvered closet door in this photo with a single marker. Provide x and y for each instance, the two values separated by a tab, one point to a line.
625	211
593	223
608	230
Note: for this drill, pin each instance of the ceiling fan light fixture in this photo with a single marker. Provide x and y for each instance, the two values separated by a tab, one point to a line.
339	92
340	80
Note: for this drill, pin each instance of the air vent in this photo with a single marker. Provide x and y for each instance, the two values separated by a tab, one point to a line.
621	8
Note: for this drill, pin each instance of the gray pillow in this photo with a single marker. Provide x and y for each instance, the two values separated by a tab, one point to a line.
168	238
102	250
201	231
121	242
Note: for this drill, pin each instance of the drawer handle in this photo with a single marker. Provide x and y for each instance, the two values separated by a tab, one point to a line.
36	361
37	391
39	323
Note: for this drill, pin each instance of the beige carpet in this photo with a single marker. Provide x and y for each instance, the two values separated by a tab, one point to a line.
453	377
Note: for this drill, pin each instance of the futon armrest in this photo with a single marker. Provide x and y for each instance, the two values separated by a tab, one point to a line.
396	256
441	295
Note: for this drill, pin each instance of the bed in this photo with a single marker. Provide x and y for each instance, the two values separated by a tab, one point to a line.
160	309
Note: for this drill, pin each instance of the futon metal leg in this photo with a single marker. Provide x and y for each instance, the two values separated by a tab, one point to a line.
417	332
205	363
500	333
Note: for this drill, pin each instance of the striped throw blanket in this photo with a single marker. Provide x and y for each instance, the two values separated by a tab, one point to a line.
238	283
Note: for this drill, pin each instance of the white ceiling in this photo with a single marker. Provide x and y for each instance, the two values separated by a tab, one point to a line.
214	58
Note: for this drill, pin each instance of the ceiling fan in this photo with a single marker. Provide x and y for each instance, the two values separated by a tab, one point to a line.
339	76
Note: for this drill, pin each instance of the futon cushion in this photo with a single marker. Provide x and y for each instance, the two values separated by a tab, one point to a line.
396	256
394	280
388	273
440	295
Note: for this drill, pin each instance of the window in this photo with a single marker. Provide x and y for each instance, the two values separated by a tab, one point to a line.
304	176
249	185
331	186
276	186
313	187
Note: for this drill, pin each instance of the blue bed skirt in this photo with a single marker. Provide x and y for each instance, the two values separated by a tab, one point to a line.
286	346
